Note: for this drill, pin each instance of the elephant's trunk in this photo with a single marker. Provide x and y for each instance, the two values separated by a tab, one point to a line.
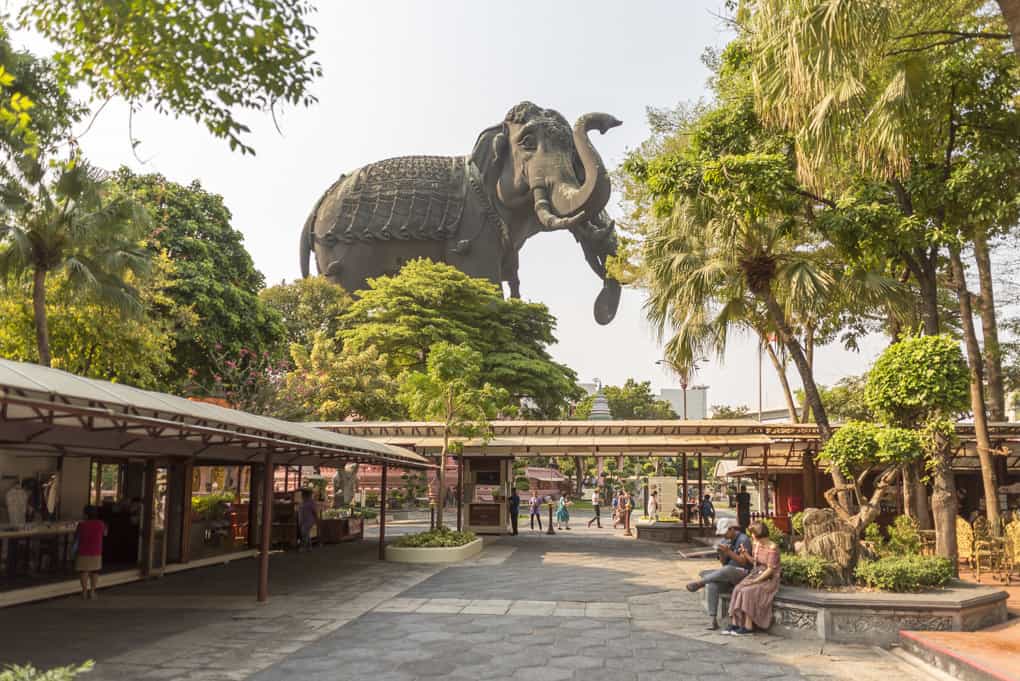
549	219
593	195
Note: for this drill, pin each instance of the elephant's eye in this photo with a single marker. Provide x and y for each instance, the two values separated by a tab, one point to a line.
527	142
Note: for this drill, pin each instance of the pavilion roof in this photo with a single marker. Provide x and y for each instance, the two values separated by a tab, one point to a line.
49	410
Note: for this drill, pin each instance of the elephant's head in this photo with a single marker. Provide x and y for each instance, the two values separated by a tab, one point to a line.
534	164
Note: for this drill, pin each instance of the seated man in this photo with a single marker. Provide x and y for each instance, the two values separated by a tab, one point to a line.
735	555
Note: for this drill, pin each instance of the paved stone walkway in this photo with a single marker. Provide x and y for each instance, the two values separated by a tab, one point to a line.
585	605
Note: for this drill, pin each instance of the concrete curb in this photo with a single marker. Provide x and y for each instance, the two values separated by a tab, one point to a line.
432	556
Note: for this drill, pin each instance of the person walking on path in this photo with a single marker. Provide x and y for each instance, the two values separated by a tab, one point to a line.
562	514
653	506
308	516
88	546
626	508
515	509
751	603
743	507
596	502
618	509
535	510
735	555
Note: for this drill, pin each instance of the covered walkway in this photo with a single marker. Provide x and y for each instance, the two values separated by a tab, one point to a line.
56	428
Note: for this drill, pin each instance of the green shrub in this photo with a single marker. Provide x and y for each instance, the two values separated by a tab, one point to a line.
371	498
438	538
802	570
30	673
211	506
903	537
366	513
904	573
797	523
873	534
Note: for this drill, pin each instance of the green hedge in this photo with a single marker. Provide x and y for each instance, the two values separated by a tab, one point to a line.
802	570
440	538
30	673
904	573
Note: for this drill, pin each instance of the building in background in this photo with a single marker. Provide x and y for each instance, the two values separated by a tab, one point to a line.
697	399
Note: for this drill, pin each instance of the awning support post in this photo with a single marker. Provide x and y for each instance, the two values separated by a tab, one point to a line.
267	526
683	495
701	490
765	490
382	514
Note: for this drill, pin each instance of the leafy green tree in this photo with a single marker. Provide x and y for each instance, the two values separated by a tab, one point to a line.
452	390
922	383
930	124
857	449
90	338
307	307
405	315
722	411
632	400
215	275
202	60
845	400
77	227
327	384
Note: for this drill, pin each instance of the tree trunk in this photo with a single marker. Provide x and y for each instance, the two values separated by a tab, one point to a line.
943	504
1011	12
440	515
809	353
578	470
977	398
811	395
915	496
791	405
807	379
925	273
42	325
989	328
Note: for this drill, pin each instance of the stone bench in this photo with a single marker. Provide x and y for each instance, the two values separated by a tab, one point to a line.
876	618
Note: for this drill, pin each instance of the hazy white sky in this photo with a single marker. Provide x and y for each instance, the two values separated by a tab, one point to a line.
412	77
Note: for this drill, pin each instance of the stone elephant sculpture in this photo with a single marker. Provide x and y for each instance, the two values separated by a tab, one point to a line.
530	173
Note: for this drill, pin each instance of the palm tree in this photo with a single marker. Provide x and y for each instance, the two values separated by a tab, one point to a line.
77	228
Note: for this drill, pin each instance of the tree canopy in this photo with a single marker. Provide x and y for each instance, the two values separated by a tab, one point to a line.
307	307
405	315
215	277
203	60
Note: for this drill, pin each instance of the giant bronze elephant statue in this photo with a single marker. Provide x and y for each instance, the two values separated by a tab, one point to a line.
528	174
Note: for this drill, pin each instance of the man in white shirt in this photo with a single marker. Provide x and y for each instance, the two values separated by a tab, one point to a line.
596	505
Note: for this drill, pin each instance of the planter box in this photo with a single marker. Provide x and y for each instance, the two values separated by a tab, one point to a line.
336	530
876	617
405	554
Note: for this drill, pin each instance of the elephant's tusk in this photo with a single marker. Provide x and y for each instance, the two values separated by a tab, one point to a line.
549	220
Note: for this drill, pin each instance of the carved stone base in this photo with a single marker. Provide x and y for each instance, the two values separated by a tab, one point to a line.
874	618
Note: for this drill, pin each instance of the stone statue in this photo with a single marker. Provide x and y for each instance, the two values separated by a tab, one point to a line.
833	539
344	482
528	174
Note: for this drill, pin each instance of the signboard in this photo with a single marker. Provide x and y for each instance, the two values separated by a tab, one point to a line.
667	489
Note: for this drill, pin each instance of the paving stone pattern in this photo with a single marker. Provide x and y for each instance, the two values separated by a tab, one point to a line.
585	605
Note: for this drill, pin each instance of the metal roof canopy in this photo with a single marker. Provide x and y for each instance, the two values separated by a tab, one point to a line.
580	438
782	443
51	411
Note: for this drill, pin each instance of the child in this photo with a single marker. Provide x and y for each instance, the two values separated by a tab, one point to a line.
88	560
562	514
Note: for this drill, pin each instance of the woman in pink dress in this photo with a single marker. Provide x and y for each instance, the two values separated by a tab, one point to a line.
751	602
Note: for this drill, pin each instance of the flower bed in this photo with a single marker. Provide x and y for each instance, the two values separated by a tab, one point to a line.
439	538
436	546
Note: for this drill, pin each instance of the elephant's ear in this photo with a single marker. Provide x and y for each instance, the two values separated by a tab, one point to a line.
490	151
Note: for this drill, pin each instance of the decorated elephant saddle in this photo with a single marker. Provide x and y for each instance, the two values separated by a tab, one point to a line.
406	198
